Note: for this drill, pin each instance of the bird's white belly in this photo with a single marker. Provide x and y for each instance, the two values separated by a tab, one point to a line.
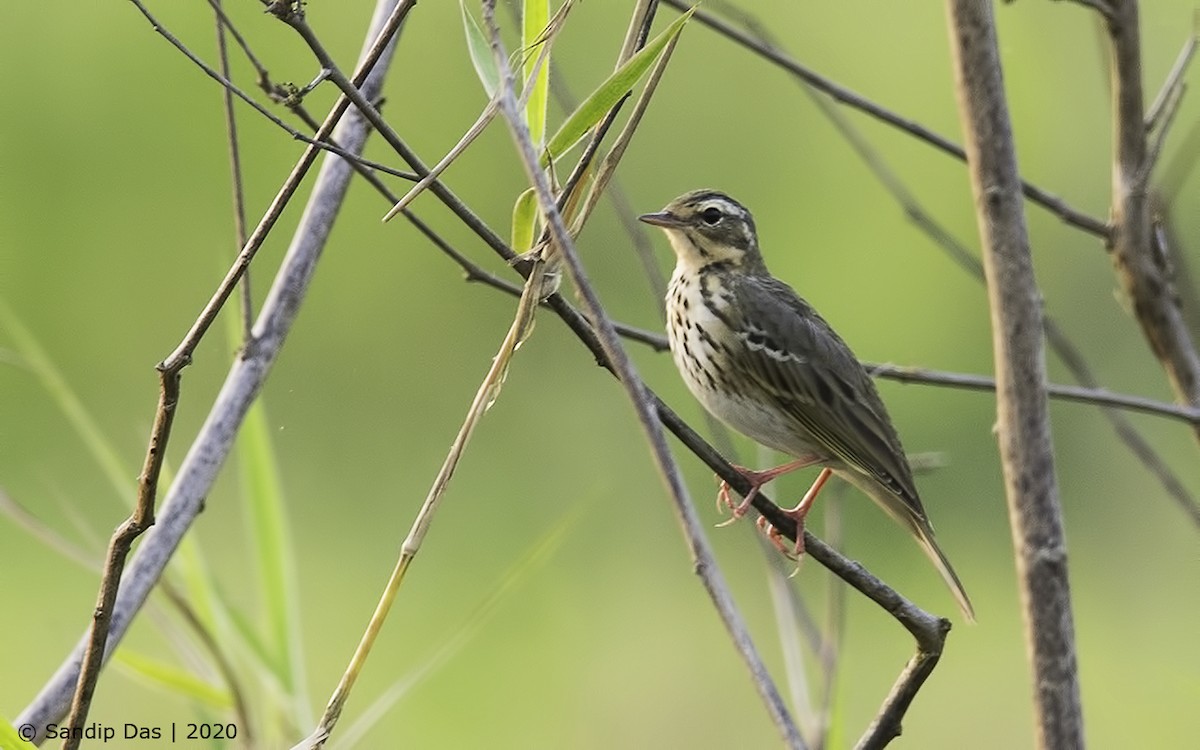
696	337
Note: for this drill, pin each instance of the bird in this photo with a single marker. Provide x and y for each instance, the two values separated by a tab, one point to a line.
763	361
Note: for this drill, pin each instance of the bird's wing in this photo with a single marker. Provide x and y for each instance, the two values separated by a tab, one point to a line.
810	372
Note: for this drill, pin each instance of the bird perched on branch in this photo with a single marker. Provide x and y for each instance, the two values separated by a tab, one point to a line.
765	363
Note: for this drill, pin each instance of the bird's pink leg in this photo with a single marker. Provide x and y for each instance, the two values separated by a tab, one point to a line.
757	479
797	514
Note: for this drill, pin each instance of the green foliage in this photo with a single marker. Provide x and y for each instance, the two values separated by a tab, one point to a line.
524	220
161	675
535	16
618	85
10	740
480	51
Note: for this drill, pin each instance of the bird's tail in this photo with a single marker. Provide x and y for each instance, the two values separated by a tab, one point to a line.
919	527
924	535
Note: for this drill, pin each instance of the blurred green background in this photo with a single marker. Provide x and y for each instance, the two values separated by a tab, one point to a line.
115	226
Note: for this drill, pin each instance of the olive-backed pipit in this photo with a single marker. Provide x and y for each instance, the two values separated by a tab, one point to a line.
763	361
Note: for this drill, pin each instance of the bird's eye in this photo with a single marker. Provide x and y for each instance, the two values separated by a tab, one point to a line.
711	216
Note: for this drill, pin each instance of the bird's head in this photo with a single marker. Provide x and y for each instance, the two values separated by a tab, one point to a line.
706	227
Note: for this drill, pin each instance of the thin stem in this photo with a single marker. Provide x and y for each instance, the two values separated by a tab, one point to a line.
235	169
1172	83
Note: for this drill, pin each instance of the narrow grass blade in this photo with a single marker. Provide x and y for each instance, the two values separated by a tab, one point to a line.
275	560
481	52
173	679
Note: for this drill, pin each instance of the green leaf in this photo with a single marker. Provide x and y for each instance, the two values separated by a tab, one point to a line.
535	19
620	83
179	681
10	740
481	52
524	219
269	538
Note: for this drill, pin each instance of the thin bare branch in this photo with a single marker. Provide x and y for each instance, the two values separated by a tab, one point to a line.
235	167
1173	82
259	69
1052	203
1063	392
1144	275
1023	422
1158	138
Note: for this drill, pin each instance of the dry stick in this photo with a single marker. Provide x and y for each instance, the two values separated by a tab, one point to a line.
1173	82
1143	275
1023	424
702	555
1066	350
488	390
1051	203
141	519
212	444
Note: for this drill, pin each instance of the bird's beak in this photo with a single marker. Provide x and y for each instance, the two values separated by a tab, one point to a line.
662	219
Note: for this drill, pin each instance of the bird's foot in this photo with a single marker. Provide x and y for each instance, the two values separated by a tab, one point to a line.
756	479
797	514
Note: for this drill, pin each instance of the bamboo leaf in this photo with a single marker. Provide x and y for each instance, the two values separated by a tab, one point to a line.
10	740
535	21
481	52
616	86
524	219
